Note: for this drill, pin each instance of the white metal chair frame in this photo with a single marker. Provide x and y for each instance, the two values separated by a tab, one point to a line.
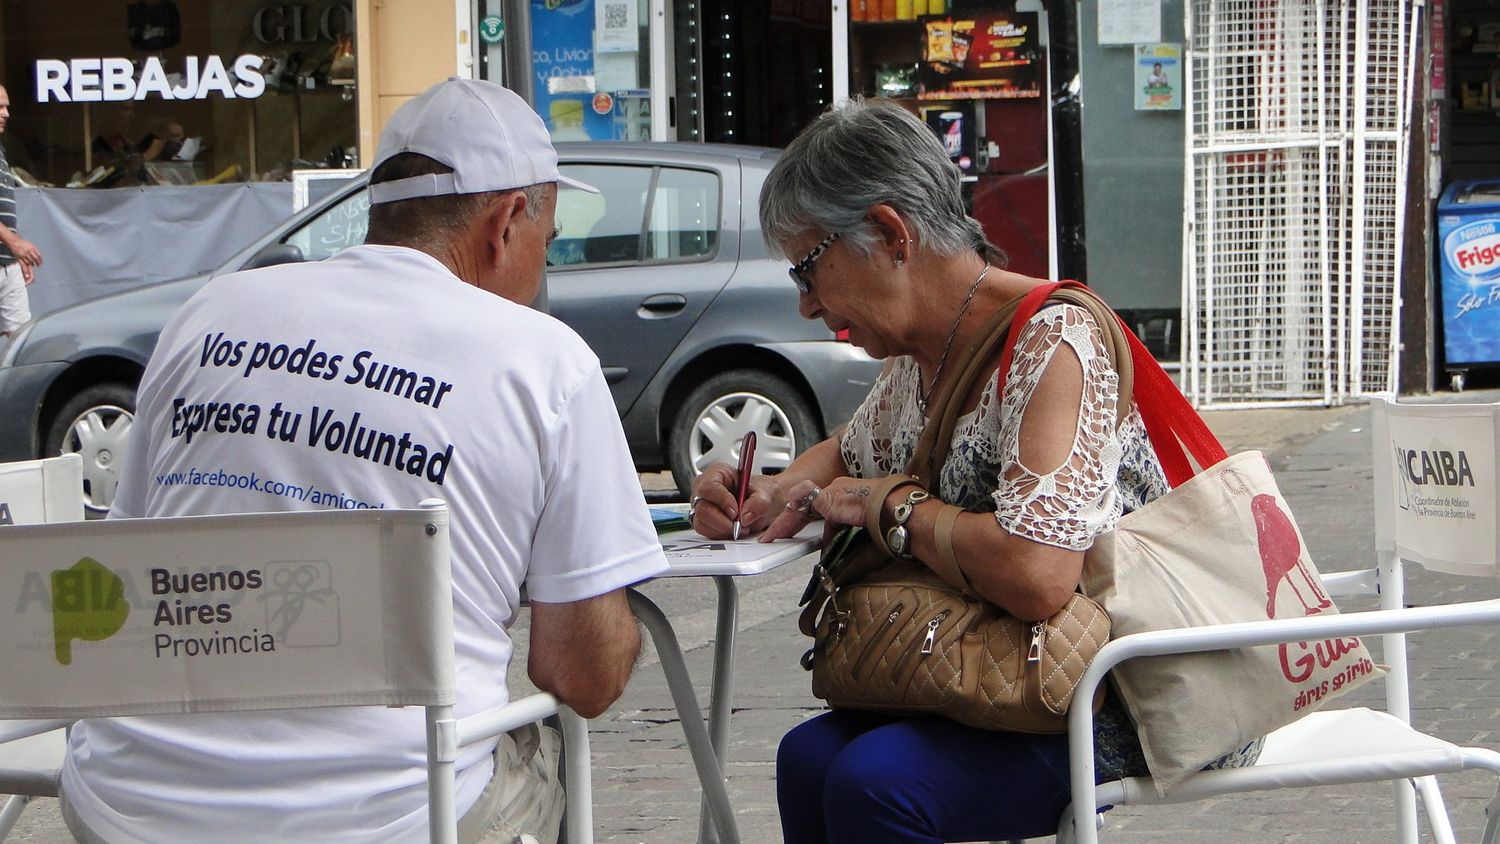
1412	768
48	491
444	735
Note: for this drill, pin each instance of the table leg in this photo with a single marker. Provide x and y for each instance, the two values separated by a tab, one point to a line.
700	746
578	776
722	695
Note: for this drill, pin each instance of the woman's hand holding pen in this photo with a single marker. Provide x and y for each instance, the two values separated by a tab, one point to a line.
771	511
715	499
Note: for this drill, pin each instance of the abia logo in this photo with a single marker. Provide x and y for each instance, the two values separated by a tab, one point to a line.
88	604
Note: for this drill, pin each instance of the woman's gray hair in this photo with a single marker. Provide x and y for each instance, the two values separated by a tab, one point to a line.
865	153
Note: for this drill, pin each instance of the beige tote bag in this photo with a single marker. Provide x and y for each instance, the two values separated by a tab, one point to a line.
1220	547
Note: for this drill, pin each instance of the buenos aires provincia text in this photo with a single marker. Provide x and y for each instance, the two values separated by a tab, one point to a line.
318	426
186	620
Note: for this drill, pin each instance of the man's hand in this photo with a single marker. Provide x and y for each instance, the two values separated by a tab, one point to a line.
583	651
25	252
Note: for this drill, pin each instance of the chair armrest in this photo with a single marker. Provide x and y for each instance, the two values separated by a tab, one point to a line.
493	722
1355	582
15	730
1223	637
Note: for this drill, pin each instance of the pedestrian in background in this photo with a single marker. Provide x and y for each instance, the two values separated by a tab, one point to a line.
18	257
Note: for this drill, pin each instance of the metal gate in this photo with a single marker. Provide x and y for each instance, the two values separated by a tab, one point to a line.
1295	180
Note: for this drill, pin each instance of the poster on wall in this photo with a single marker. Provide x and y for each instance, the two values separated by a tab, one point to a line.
1129	21
989	56
562	57
616	26
1158	77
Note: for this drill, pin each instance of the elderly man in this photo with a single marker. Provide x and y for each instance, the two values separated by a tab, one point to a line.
18	257
404	369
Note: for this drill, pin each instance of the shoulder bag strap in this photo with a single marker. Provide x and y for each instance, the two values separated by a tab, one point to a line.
932	447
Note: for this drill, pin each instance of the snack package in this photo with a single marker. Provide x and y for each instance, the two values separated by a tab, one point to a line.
939	41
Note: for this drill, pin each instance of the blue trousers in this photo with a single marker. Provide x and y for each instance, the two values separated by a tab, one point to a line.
862	777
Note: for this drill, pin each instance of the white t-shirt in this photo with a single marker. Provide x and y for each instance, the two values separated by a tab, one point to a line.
376	378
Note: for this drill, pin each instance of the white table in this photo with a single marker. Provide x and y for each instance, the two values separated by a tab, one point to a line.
691	555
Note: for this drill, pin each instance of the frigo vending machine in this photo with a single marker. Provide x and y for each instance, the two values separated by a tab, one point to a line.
1469	243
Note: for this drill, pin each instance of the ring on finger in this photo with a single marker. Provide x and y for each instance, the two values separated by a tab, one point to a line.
804	506
693	506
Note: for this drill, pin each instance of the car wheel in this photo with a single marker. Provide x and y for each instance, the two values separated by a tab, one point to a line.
95	424
713	419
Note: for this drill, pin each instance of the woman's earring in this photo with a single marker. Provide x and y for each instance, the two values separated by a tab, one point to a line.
898	261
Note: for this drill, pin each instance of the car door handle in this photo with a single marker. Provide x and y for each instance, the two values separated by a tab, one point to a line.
615	374
661	306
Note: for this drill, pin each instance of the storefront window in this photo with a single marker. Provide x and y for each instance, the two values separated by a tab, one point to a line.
153	92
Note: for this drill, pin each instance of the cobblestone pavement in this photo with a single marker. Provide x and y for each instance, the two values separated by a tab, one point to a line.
645	789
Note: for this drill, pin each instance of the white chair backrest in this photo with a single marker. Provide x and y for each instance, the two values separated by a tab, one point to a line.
34	492
1435	477
218	613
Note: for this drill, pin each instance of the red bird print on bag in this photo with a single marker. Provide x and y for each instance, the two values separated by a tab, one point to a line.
1281	554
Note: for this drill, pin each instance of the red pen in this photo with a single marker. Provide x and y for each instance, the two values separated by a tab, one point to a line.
747	462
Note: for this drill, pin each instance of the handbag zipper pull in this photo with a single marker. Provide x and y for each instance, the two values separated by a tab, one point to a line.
931	638
1034	653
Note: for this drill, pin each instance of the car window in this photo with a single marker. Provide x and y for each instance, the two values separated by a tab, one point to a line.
684	215
340	227
603	227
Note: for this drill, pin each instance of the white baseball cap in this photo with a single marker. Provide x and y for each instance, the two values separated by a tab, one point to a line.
491	138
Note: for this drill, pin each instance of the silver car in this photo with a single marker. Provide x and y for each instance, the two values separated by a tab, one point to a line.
664	274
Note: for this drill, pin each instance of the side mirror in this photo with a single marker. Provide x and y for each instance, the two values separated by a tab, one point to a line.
273	254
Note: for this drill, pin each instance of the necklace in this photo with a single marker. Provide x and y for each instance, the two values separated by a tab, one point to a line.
924	395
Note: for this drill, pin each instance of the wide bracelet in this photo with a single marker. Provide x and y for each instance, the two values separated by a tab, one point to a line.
879	492
875	507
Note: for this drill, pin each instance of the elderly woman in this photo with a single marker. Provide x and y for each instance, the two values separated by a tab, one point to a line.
867	204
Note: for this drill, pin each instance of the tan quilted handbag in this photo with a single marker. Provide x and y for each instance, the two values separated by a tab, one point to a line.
892	635
903	640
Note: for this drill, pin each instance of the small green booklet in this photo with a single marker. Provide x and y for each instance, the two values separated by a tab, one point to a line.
670	519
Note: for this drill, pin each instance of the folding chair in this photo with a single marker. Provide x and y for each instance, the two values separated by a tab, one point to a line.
381	635
34	492
1458	445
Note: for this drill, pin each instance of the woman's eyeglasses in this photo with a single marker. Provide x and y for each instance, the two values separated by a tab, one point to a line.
800	271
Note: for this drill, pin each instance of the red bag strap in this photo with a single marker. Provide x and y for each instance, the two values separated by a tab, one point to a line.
1171	422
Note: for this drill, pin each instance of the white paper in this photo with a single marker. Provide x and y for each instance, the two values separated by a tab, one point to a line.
615	27
190	149
1129	21
689	554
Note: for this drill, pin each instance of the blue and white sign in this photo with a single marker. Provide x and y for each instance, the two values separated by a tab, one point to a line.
1469	240
562	56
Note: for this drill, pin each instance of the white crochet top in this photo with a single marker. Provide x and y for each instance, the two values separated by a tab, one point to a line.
1109	471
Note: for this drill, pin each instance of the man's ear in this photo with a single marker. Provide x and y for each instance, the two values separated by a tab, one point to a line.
501	223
